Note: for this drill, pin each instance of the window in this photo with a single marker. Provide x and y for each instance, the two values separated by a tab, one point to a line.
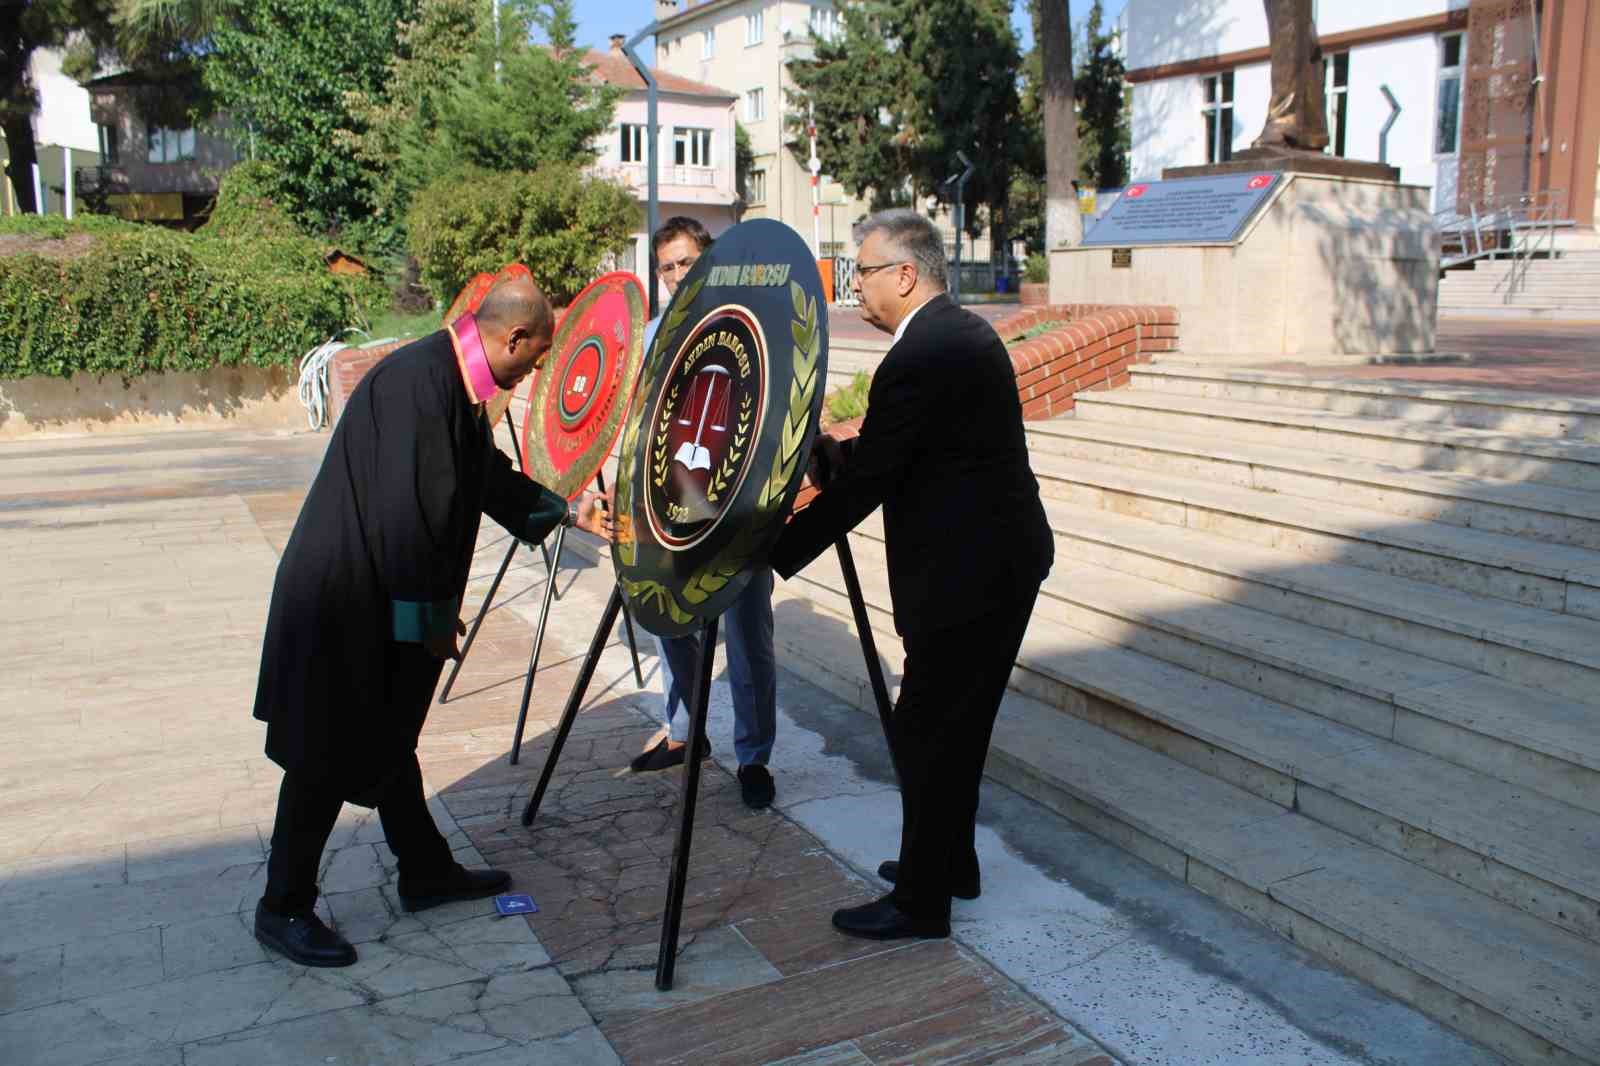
708	43
1218	114
756	187
169	146
752	29
755	105
1338	101
1447	122
691	147
824	23
632	142
110	147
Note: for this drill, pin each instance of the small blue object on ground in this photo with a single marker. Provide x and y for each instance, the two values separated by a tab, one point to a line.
515	904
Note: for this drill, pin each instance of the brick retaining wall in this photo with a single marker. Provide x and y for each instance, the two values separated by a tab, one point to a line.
1094	350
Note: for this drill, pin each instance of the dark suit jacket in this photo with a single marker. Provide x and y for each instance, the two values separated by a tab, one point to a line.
942	450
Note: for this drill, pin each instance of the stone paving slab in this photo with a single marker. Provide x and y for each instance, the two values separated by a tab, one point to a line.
136	805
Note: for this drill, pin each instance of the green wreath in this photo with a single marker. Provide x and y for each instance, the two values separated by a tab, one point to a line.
721	569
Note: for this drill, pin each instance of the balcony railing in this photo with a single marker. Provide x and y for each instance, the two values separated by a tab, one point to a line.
636	174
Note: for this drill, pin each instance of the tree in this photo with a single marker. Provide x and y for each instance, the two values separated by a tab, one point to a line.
27	26
853	82
744	161
455	94
1103	134
907	85
1053	31
283	69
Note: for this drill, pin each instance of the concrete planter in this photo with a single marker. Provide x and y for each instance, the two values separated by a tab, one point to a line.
235	397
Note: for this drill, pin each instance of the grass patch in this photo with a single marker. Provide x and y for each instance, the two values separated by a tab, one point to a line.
849	401
400	324
1039	330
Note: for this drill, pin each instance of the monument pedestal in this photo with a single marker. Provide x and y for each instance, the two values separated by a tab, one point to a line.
1287	160
1326	266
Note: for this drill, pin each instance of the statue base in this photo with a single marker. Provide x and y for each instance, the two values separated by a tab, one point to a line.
1328	267
1289	161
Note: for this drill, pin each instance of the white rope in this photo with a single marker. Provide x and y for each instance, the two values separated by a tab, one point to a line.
314	378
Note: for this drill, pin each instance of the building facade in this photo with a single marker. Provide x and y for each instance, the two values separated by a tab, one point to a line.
1488	91
744	46
695	125
64	135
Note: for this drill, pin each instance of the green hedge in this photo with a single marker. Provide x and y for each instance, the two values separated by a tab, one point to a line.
556	220
135	300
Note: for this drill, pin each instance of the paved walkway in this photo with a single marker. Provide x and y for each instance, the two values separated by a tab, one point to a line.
136	803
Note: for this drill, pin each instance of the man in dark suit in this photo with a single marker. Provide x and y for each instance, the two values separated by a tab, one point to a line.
942	450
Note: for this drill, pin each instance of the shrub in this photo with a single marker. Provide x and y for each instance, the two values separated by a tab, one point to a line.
557	221
247	204
849	402
117	298
1036	269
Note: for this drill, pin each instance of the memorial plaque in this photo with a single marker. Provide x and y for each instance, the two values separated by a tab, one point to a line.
1121	258
1212	210
721	426
579	398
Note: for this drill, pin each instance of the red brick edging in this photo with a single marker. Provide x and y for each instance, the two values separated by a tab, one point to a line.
1093	351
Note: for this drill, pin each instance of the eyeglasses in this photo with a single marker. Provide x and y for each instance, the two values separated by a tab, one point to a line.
863	271
680	266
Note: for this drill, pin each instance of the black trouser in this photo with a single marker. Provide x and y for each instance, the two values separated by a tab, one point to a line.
949	696
307	811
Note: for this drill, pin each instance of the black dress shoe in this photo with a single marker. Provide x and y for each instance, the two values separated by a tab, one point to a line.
756	787
890	872
662	757
882	920
459	884
302	938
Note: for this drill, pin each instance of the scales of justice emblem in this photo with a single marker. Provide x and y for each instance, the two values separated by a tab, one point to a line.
705	423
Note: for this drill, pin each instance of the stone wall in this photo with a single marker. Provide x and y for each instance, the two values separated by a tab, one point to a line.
223	397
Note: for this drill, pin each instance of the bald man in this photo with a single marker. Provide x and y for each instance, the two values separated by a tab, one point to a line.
366	607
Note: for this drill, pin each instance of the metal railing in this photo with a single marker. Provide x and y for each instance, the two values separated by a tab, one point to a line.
1514	226
1533	229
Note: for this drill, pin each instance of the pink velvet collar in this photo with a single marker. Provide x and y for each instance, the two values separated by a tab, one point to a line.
471	358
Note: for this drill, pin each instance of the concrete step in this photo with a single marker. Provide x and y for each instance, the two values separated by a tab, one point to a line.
1422	405
1536	741
1523	509
1458	449
1523	847
1522	645
1549	576
1413	932
1516	311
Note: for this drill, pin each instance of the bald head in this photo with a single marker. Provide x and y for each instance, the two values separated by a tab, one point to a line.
516	322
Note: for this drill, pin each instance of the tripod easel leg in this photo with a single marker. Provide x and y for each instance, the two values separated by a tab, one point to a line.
869	647
667	958
602	633
627	617
550	567
533	657
483	609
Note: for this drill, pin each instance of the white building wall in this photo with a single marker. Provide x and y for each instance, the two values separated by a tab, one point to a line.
1167	124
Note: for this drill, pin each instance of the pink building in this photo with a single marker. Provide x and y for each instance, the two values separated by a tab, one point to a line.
695	147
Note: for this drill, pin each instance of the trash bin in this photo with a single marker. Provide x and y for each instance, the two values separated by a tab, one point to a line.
1002	284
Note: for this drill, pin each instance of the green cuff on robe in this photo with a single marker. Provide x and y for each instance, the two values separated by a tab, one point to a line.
545	517
416	622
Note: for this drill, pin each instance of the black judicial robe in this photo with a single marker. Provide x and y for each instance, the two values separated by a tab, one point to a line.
377	561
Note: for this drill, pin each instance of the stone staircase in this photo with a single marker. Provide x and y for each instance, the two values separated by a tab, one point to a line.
1566	287
1330	653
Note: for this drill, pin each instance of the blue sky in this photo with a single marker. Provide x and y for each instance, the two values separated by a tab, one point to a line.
599	19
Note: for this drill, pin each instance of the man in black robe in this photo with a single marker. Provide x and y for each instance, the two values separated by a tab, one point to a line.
367	600
942	450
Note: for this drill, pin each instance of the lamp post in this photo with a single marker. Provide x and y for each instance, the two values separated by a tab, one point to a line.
652	210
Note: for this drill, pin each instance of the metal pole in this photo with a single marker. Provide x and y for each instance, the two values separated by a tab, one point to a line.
1383	134
869	647
533	656
652	211
38	192
815	166
483	609
627	619
602	633
672	920
66	165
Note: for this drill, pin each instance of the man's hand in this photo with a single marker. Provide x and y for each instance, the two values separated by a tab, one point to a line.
594	515
827	458
444	645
